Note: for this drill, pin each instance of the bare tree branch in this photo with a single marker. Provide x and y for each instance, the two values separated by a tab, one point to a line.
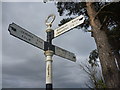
101	9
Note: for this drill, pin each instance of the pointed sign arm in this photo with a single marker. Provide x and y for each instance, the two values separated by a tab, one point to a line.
32	39
26	36
68	26
65	54
61	52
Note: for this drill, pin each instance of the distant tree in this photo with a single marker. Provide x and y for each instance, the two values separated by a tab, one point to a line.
101	17
92	69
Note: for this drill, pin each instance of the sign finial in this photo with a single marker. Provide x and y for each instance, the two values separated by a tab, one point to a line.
49	22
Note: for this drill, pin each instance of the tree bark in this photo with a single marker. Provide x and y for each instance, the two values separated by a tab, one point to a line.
107	60
117	56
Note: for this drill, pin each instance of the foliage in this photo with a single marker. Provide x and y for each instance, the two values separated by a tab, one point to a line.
114	38
93	58
104	9
112	22
91	68
100	84
73	9
107	12
78	8
109	16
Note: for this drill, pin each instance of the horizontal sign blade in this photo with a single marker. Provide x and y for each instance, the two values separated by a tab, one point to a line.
26	36
65	54
69	25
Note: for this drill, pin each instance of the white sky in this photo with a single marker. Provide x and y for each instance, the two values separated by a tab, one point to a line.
24	65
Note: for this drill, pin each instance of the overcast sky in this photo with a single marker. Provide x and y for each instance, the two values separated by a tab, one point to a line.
24	65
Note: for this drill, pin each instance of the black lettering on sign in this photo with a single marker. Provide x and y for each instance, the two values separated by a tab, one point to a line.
26	38
27	34
39	41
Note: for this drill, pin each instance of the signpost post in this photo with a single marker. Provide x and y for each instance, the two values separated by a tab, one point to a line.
47	45
49	53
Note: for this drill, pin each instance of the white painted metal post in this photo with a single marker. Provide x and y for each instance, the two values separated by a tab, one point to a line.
49	52
48	55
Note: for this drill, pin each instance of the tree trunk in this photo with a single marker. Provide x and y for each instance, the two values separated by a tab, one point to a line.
107	60
117	56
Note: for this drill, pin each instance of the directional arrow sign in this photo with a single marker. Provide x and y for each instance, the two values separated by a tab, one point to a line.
64	53
69	25
25	35
32	39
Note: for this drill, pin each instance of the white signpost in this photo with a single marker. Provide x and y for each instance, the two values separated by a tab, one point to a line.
47	46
